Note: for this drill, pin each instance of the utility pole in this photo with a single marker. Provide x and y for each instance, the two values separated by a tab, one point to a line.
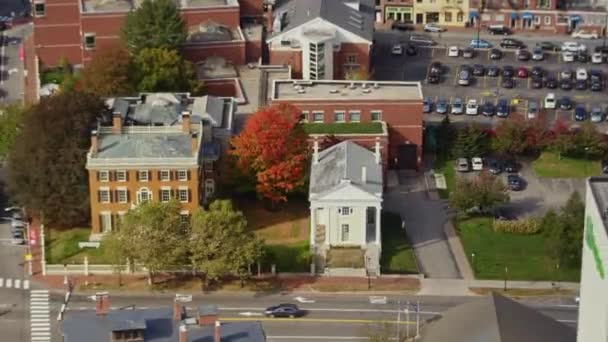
407	313
399	320
418	319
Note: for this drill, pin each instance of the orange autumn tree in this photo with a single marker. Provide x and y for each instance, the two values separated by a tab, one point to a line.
272	149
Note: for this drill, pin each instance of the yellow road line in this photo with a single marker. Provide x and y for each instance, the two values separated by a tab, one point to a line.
313	320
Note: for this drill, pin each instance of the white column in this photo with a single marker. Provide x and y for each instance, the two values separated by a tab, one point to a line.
313	220
378	237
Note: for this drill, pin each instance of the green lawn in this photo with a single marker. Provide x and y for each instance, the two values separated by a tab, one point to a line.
397	254
550	165
346	257
523	255
293	257
446	167
62	247
343	128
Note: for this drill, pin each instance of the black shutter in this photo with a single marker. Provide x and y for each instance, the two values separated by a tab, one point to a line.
187	174
127	192
97	173
127	175
98	196
189	195
110	195
110	176
137	175
149	172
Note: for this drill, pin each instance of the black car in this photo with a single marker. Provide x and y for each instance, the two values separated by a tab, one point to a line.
283	310
411	50
565	103
508	71
548	46
510	43
487	109
508	83
604	166
596	86
581	57
595	75
494	166
502	214
602	49
551	83
499	30
565	84
524	55
580	113
403	26
536	82
502	108
580	85
492	71
495	54
510	166
433	78
537	71
435	68
478	70
515	182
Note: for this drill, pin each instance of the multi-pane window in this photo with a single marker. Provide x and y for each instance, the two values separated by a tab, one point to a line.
182	175
164	175
354	116
304	116
105	220
339	116
121	176
104	195
121	195
317	116
89	41
351	59
345	232
39	9
165	195
103	176
142	175
447	16
547	20
183	195
143	195
376	115
345	211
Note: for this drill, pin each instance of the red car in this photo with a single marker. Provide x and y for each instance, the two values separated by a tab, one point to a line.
522	72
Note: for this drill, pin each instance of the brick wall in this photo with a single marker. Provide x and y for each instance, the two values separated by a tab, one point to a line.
359	51
224	16
107	30
252	8
292	58
233	52
253	51
57	34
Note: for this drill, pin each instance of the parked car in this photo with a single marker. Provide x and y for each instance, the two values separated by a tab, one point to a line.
536	82
495	54
492	71
566	74
433	78
397	50
453	51
480	44
477	163
581	57
596	86
464	77
508	83
551	83
532	112
494	166
283	310
597	58
573	46
565	84
550	101
522	72
478	70
499	30
462	165
17	237
511	43
585	34
403	26
508	71
441	107
565	103
538	54
487	109
580	85
568	56
421	40
597	114
411	50
581	74
427	105
515	182
503	214
472	107
524	55
457	106
432	27
548	46
605	166
580	113
603	49
537	71
435	68
468	52
510	166
502	108
596	75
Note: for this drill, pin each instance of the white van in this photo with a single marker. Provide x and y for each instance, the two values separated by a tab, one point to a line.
550	101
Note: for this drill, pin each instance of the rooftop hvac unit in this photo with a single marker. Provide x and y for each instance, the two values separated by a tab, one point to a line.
367	91
301	91
364	85
334	91
352	86
376	85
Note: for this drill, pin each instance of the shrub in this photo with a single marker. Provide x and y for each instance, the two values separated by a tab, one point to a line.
521	226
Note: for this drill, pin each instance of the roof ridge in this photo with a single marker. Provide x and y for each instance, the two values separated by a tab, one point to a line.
346	150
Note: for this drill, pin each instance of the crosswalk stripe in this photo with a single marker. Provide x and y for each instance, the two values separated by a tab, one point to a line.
40	329
26	284
40	338
40	320
39	291
40	324
40	317
17	283
41	333
1	282
39	295
9	283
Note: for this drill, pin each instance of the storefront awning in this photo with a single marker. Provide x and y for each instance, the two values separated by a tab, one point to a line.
513	15
473	14
527	15
575	17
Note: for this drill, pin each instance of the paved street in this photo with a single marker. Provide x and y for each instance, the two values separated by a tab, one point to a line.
330	318
11	66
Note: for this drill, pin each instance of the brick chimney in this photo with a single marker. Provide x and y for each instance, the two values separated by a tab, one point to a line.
186	121
177	311
183	333
269	18
217	332
102	303
377	151
116	123
194	143
94	143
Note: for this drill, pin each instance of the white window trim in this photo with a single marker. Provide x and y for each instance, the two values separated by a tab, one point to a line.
345	212
84	40
337	112
121	172
179	192
304	114
139	192
107	191
162	176
547	20
107	214
39	3
143	172
179	176
162	190
342	232
375	111
120	189
103	172
351	112
322	113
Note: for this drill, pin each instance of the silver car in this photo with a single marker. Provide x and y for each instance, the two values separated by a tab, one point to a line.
457	106
597	115
532	110
462	165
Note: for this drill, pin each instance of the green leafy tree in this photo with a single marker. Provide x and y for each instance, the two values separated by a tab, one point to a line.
584	143
110	73
221	244
563	232
46	166
553	232
446	133
163	70
11	118
481	193
154	24
470	142
117	252
510	137
152	234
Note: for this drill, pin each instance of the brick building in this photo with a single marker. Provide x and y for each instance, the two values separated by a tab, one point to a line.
76	29
321	39
398	105
158	147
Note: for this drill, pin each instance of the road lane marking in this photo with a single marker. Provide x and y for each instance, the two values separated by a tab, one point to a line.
26	284
17	283
1	282
317	320
9	283
324	338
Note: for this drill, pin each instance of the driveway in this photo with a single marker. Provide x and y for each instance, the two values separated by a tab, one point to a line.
424	221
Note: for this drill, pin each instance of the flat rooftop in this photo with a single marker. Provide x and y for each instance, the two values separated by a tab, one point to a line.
94	6
346	90
145	145
599	190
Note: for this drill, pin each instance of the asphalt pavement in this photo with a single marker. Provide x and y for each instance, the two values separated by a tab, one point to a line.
11	66
329	317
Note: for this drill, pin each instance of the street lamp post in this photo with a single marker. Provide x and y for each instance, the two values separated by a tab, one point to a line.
473	262
506	273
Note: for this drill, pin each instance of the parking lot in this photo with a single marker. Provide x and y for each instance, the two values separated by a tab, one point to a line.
485	88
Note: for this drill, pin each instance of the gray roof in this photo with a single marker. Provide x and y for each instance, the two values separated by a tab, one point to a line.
599	190
344	161
298	12
209	108
159	327
145	145
495	318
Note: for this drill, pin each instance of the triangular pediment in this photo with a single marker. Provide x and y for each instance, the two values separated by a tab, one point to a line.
347	192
